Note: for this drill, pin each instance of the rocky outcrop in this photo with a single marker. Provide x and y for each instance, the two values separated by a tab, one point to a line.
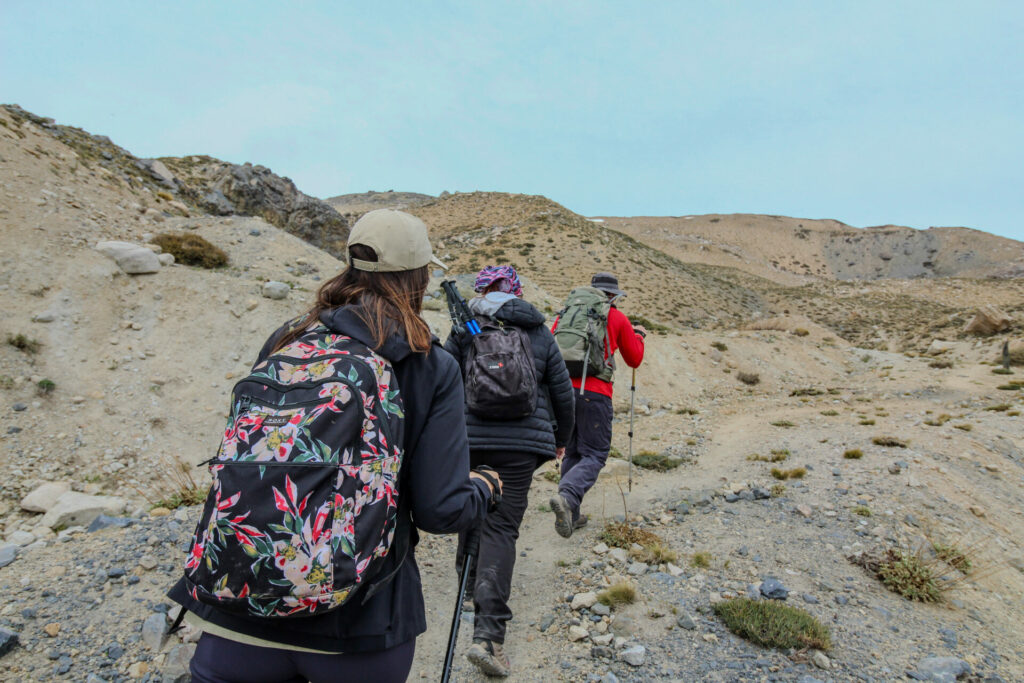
222	188
988	320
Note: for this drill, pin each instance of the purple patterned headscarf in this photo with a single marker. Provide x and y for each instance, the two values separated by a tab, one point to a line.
505	276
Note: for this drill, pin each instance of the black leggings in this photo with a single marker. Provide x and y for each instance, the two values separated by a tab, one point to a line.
219	660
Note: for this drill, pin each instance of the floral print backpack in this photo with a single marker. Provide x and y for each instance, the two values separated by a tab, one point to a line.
304	503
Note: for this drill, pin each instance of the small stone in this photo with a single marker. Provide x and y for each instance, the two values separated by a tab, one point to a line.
546	621
116	572
894	468
138	670
600	549
153	631
820	660
577	633
8	641
773	589
977	510
710	638
841	599
761	494
106	521
583	600
275	290
115	651
673	570
637	569
618	555
940	669
147	562
44	317
8	553
52	629
809	599
21	538
804	510
600	610
73	508
686	621
19	407
603	639
602	652
634	656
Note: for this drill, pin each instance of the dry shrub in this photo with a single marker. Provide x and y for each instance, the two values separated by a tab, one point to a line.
623	535
782	423
176	486
889	442
801	332
905	573
701	559
24	344
655	553
191	249
795	473
748	378
853	454
621	593
941	364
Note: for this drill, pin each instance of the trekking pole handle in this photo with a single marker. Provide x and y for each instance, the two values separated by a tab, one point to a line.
488	474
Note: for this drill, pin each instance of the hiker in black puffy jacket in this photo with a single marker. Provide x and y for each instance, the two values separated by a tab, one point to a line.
372	637
515	448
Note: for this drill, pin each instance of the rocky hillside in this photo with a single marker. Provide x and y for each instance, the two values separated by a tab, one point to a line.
780	248
352	206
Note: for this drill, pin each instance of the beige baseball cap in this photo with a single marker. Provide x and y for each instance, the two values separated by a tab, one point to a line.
399	239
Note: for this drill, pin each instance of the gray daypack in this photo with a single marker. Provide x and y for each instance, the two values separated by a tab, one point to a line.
582	334
501	379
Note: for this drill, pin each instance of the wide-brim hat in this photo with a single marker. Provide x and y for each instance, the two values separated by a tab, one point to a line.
399	239
607	282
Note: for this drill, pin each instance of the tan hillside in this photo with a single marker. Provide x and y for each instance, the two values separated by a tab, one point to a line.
779	247
360	203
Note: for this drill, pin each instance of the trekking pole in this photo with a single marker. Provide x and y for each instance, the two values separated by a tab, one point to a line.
468	556
632	401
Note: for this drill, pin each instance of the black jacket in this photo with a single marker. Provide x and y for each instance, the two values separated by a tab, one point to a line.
551	423
435	484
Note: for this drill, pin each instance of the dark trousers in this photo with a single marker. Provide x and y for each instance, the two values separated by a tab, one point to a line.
588	447
492	584
219	660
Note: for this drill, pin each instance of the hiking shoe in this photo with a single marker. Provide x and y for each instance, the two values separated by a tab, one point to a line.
580	522
489	657
563	515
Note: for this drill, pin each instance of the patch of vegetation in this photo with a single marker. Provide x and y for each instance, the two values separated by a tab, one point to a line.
177	484
770	623
621	593
778	490
999	408
794	473
867	422
801	332
952	555
862	510
651	325
938	421
809	391
829	413
687	411
701	559
45	387
659	462
6	382
941	364
749	378
553	476
889	442
166	196
782	423
183	497
24	344
1002	371
719	345
1011	386
777	455
624	535
904	573
853	454
964	427
191	249
655	553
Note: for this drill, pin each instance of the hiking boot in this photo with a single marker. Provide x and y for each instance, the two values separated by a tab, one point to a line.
563	515
580	522
489	657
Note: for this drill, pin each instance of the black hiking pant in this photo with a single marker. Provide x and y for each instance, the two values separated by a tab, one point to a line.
588	447
492	582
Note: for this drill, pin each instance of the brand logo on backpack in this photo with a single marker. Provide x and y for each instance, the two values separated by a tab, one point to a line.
501	379
312	450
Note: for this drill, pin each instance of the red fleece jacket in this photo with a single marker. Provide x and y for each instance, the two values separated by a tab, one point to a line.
621	338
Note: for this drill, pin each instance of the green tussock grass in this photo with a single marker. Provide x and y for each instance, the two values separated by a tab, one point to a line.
655	553
770	623
867	423
795	473
889	442
687	411
24	344
853	454
829	413
1002	407
810	391
191	249
45	387
862	510
655	461
964	427
782	423
701	560
904	573
777	455
778	490
720	346
938	421
621	593
953	556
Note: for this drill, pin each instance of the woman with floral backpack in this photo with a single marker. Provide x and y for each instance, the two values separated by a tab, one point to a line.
288	583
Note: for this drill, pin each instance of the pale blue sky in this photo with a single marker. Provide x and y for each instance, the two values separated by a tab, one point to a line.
867	112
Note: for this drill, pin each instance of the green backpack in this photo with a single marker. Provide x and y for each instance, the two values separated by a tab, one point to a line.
582	334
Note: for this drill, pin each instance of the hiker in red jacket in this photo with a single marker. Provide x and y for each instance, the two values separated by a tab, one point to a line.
585	454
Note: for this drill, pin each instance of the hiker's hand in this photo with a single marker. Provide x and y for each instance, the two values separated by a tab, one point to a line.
559	453
494	475
641	330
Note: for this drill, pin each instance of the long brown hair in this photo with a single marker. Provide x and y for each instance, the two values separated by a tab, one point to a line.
389	303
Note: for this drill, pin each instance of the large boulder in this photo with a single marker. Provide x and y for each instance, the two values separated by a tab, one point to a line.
988	320
132	258
44	497
80	509
938	347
